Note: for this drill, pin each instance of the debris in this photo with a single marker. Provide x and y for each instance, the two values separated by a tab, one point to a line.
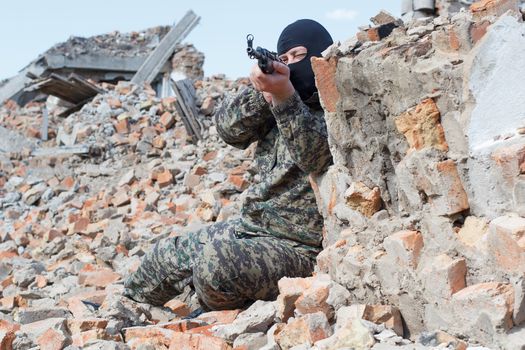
186	107
152	65
416	217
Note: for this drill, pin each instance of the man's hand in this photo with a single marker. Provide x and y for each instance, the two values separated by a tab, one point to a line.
277	84
267	96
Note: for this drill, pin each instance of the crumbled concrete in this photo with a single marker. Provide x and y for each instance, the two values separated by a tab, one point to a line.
414	116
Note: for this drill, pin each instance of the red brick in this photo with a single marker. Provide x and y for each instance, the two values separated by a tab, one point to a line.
363	199
81	225
209	156
52	234
484	8
453	39
78	325
155	336
165	178
184	341
422	128
504	250
169	103
373	34
122	126
454	198
219	317
444	338
204	330
68	182
83	338
167	120
78	308
52	339
11	105
95	276
493	299
325	79
121	198
511	160
405	246
199	170
178	307
6	326
306	329
94	296
208	105
478	31
384	314
239	182
41	281
314	299
6	340
444	276
159	142
290	289
182	325
513	226
9	279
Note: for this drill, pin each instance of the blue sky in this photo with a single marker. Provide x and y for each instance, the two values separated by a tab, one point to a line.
28	28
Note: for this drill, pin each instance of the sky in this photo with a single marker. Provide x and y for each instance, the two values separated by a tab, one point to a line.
29	28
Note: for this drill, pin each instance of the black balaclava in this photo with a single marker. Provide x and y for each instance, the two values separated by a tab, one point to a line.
313	36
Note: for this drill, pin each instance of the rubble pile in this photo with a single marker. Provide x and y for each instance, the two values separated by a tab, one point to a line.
74	225
188	61
26	120
114	44
424	205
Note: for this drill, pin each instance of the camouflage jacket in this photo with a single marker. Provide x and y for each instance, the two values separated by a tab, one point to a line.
291	143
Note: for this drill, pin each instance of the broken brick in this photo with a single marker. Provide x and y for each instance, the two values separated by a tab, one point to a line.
363	199
405	247
325	78
78	325
178	307
444	277
90	275
290	289
167	120
484	8
422	128
306	329
165	178
184	341
239	182
52	339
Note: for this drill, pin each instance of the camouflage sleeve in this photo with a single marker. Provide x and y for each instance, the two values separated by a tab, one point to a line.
305	134
244	118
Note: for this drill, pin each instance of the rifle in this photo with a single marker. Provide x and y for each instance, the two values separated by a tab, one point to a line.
263	56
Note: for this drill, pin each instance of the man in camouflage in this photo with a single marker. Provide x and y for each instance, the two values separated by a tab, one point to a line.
279	232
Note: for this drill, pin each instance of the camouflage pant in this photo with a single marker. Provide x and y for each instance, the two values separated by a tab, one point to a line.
227	268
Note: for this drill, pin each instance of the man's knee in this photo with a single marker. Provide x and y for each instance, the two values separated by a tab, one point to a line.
157	279
217	283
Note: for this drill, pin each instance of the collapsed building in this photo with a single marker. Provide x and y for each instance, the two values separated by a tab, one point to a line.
424	206
106	58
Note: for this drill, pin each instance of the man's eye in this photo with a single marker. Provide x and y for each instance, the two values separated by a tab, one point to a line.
300	55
